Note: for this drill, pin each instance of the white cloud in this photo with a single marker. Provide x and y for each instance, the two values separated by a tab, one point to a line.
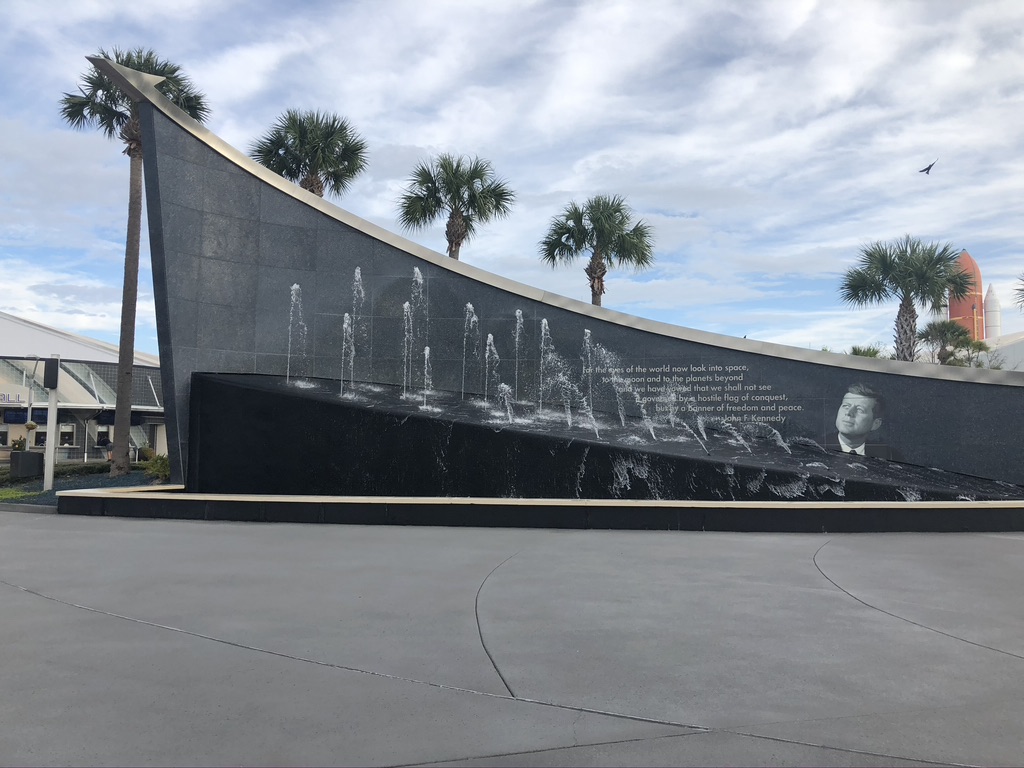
70	299
764	141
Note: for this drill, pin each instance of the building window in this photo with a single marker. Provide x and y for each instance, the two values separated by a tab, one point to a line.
3	437
40	438
67	434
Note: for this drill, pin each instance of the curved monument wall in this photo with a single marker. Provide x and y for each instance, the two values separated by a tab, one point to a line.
253	275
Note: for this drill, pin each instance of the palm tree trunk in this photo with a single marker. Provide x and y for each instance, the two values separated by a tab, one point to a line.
906	330
455	233
312	182
129	300
595	272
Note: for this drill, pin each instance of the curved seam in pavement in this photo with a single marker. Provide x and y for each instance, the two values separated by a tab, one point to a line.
332	665
695	729
479	628
904	618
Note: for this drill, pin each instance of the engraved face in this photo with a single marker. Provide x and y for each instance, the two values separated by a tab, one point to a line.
855	419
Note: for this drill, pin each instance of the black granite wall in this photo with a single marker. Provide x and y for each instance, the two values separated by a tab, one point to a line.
252	275
311	441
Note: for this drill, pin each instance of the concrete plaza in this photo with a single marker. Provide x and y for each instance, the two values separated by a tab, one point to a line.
162	642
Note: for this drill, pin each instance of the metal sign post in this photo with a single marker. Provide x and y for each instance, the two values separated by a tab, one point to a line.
50	376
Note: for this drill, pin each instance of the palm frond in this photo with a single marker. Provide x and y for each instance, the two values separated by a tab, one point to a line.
862	286
421	203
101	104
458	186
319	150
603	226
634	248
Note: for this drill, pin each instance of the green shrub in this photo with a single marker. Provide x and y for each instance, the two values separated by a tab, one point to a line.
146	453
75	469
159	467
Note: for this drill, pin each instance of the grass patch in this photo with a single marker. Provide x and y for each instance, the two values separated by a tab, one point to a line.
13	495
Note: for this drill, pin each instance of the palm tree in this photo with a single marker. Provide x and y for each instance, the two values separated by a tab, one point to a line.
946	338
872	350
464	188
1018	294
100	104
604	227
911	272
317	150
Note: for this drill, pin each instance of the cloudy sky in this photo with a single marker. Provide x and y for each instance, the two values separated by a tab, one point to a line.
765	142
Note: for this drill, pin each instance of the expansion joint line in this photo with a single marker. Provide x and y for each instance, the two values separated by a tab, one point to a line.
904	618
697	732
345	668
479	628
695	729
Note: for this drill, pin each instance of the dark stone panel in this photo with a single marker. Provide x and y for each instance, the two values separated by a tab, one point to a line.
271	364
387	345
803	518
903	518
637	518
279	208
330	368
227	238
184	359
236	511
225	360
291	247
231	194
221	328
165	509
184	322
387	294
341	249
798	518
332	297
176	366
489	515
80	505
293	512
182	229
277	315
185	181
228	283
174	142
215	161
181	283
357	513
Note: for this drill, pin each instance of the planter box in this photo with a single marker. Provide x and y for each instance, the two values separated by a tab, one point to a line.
26	464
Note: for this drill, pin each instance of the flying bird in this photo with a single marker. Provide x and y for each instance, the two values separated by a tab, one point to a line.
928	170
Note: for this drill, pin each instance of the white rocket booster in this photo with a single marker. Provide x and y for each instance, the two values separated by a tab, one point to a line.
993	315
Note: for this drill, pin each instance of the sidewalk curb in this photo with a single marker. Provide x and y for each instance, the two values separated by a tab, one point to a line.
39	509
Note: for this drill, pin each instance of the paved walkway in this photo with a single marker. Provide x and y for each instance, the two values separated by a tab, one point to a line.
159	642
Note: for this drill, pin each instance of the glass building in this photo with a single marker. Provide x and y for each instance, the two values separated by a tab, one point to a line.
85	408
86	399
